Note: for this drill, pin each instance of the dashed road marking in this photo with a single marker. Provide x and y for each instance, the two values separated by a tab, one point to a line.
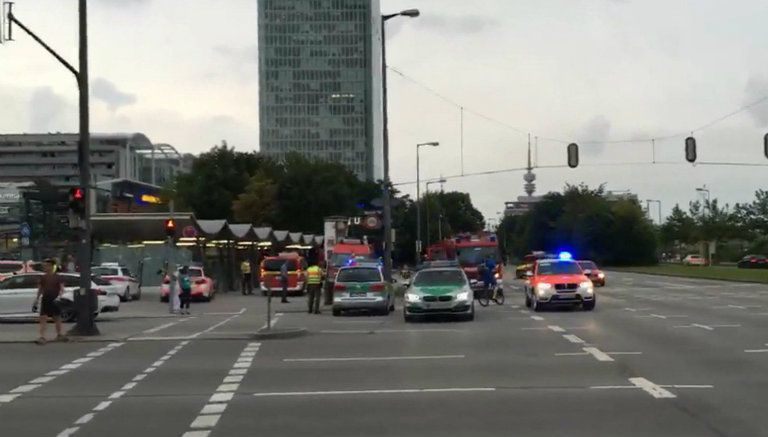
706	327
537	318
103	405
209	416
391	358
555	328
573	339
166	325
652	389
658	391
13	394
598	354
376	392
191	336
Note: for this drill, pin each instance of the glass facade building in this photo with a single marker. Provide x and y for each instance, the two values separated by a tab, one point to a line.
320	81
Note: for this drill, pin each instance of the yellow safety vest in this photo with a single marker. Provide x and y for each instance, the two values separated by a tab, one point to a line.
314	275
245	267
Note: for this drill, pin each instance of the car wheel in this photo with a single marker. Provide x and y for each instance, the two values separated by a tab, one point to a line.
527	300
68	314
408	318
536	305
126	295
336	312
391	304
589	306
138	294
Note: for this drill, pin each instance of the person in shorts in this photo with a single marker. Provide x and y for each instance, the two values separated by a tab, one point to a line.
50	289
185	286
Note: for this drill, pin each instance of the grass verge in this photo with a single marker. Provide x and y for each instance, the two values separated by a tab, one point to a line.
714	272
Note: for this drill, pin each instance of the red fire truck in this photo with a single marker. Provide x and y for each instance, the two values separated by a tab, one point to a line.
470	250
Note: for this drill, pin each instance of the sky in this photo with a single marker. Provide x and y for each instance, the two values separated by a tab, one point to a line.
595	72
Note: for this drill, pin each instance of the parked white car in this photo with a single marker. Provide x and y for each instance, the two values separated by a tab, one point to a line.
119	274
694	260
17	294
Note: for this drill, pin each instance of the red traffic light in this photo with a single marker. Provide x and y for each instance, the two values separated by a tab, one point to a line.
76	193
170	224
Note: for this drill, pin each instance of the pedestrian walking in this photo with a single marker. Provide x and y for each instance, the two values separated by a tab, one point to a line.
185	286
314	281
284	281
47	302
245	270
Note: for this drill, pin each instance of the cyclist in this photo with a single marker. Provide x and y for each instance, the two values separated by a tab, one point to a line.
489	273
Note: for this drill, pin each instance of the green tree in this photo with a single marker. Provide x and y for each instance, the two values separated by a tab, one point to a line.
679	227
258	203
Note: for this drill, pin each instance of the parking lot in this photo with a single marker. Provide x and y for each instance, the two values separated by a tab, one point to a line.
659	356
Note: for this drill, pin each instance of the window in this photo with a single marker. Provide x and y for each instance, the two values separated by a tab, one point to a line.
359	274
440	277
559	268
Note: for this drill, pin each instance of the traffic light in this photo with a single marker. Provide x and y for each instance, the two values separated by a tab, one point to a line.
573	155
690	149
77	201
170	228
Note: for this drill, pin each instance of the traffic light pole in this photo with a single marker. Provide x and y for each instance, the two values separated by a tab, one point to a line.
85	299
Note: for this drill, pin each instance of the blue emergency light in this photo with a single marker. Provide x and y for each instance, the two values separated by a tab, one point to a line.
565	256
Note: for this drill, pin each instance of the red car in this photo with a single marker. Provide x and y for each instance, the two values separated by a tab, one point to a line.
558	282
9	268
202	285
592	272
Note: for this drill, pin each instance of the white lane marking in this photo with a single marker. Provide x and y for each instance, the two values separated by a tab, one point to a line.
706	327
688	386
82	360
41	380
393	358
537	318
70	366
597	353
523	311
4	399
173	337
242	310
652	389
386	331
274	320
205	421
534	329
228	387
25	388
755	351
68	432
375	392
85	419
624	353
221	397
555	328
211	413
611	387
659	316
213	409
103	405
236	378
57	372
572	338
196	434
570	354
222	323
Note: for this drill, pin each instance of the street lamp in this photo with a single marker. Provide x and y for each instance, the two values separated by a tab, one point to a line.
704	189
439	181
412	13
648	201
418	196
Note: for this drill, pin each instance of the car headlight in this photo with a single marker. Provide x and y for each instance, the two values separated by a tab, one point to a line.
587	286
410	297
464	295
601	275
543	288
496	275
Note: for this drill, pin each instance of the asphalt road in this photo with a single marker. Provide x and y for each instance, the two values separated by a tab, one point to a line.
659	356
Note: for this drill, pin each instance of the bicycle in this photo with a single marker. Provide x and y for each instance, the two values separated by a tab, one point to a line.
486	295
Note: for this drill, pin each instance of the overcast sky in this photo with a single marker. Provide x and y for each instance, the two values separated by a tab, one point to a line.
185	72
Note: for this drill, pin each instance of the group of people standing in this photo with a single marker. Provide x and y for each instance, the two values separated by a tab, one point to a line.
315	274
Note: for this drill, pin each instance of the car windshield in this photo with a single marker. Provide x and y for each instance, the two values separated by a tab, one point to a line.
105	271
475	255
439	277
359	274
587	265
194	273
275	264
559	268
10	267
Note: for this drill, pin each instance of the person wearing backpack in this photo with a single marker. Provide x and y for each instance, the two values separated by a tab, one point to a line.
185	285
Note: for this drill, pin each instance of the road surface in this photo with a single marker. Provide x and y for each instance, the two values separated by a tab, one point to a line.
659	356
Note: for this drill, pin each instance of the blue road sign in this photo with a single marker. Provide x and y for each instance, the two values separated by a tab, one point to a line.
25	230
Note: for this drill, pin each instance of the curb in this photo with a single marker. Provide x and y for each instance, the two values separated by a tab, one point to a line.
279	333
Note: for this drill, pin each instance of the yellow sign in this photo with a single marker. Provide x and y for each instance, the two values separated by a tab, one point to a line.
148	198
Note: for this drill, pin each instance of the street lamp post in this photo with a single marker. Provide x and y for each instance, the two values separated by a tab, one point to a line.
441	181
418	196
385	146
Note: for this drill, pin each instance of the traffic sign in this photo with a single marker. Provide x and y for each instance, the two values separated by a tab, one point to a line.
25	230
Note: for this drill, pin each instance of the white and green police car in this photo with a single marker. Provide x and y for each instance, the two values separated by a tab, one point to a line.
444	291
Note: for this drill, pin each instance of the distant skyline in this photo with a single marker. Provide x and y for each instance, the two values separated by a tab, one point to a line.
186	73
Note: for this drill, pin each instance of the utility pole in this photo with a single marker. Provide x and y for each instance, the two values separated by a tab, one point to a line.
85	299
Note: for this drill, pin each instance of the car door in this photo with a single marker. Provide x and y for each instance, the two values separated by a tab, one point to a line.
17	294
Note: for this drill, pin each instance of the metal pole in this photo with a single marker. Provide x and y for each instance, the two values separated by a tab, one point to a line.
461	111
385	147
418	208
659	212
85	299
426	204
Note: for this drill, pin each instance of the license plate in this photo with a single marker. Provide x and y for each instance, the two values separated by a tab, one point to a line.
358	294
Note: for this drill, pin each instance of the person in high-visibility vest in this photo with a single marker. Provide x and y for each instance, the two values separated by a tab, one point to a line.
314	282
245	270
